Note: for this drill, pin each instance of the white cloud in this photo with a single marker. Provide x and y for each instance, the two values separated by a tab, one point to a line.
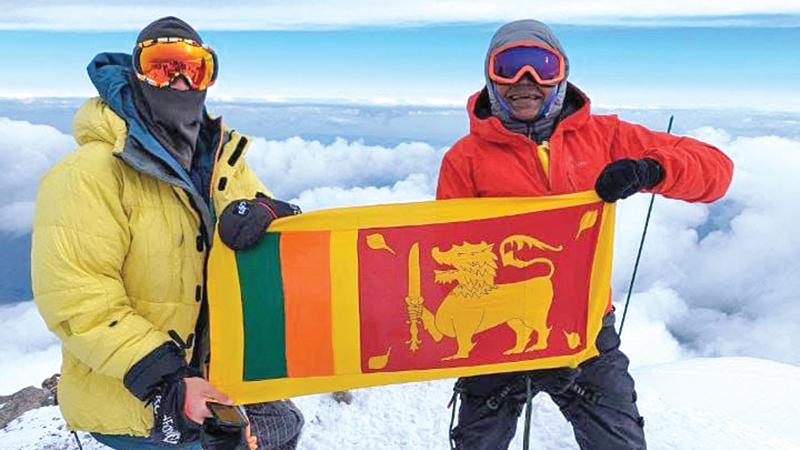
616	97
26	152
647	339
29	353
415	188
312	14
717	279
732	266
17	217
295	165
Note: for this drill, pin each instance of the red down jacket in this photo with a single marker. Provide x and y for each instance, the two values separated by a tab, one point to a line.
492	161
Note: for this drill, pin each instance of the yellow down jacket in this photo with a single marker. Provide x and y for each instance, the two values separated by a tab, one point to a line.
118	260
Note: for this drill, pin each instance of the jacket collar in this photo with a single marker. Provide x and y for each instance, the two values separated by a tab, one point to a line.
110	73
576	112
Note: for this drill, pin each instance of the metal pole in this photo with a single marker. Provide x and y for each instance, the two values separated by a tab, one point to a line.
641	246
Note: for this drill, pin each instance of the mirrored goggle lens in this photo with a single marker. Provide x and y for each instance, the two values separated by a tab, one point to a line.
162	62
509	62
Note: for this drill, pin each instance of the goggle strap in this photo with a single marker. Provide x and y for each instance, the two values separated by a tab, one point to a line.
171	40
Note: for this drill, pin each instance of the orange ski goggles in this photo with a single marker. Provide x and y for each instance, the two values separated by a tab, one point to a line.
509	63
159	61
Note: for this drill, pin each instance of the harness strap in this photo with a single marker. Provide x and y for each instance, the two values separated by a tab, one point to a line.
617	403
457	390
493	402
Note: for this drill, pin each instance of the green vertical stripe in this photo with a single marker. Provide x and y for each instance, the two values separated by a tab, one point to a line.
262	304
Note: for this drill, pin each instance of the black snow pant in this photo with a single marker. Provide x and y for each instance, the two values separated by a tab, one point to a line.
598	399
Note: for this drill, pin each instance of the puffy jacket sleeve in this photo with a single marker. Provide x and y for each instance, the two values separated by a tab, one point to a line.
80	243
693	171
455	175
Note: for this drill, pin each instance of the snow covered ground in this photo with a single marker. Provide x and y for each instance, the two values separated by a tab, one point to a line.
696	404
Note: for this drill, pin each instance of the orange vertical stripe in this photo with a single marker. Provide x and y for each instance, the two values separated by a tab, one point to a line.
305	265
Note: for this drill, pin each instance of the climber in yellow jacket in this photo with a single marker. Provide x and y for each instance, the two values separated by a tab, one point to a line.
120	241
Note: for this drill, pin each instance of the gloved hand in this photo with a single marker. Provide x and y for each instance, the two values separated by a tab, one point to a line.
176	392
625	177
243	222
171	425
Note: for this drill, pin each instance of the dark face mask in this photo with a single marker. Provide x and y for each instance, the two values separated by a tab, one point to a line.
173	117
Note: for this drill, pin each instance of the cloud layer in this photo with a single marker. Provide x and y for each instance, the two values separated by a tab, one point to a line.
310	14
26	152
295	165
724	278
717	279
29	353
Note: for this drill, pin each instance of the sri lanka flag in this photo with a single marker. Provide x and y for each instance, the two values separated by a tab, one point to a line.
366	296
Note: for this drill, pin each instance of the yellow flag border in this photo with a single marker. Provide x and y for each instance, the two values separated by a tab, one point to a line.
225	309
426	213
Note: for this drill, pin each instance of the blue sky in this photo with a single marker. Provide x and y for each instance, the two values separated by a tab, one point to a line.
673	66
685	56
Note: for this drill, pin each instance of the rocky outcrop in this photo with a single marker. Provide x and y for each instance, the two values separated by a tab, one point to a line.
342	397
20	402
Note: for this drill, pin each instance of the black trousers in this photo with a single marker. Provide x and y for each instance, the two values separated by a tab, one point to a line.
598	399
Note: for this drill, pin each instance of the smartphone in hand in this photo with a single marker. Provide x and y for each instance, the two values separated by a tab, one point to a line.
227	416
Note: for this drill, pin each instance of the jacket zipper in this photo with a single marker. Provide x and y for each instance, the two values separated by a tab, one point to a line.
538	163
212	178
202	349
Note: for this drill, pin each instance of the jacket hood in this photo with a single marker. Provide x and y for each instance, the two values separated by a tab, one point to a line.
95	121
524	30
482	123
111	74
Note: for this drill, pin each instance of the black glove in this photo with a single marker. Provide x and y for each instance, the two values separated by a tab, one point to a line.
170	425
243	222
157	379
217	435
625	177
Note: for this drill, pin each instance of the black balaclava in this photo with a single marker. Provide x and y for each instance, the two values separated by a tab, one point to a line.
542	126
174	117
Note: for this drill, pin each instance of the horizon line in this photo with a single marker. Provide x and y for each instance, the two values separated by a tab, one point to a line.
787	20
399	103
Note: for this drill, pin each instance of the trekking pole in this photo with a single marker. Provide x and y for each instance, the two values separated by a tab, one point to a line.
75	433
641	246
526	438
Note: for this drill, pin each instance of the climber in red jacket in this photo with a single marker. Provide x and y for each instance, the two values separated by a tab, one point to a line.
532	134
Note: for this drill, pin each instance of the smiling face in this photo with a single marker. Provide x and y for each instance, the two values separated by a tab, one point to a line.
525	97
